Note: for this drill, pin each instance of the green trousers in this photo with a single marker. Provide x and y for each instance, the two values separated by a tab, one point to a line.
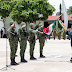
32	47
23	44
42	42
13	48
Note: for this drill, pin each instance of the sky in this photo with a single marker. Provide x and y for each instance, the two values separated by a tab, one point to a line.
56	4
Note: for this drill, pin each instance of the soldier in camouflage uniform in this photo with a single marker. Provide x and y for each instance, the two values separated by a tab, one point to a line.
41	41
54	33
13	41
32	40
59	34
23	36
64	34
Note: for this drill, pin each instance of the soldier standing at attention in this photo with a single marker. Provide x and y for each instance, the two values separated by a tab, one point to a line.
13	41
54	33
23	36
64	34
41	41
32	40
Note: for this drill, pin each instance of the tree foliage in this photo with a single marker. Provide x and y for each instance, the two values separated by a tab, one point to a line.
4	9
69	11
26	10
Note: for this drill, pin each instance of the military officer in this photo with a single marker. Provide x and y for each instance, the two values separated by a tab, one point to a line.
13	41
41	41
32	40
23	36
54	33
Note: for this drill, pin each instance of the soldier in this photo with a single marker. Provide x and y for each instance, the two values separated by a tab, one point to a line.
13	41
41	41
32	40
64	34
54	33
59	34
23	36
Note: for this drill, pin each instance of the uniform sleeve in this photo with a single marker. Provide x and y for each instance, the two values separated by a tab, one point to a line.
34	31
9	31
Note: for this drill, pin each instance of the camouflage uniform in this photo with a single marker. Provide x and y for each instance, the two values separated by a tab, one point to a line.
13	40
23	43
32	41
41	41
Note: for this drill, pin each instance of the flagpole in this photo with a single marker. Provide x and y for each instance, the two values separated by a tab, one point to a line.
59	16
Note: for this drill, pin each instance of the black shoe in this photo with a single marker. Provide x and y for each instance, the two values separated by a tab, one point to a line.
42	56
25	61
33	58
14	63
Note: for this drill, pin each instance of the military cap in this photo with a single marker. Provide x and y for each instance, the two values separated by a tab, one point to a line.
23	23
31	24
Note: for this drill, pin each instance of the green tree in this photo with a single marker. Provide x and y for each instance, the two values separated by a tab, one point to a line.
69	11
26	10
5	10
29	10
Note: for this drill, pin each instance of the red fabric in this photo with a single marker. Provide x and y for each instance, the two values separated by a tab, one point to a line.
46	30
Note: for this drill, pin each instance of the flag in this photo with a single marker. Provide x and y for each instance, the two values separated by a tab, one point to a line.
61	23
49	29
64	11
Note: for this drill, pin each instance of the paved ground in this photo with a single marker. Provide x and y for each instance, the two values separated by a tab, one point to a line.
57	54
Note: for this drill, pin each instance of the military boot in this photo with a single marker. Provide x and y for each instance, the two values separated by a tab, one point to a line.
41	55
32	57
13	62
23	60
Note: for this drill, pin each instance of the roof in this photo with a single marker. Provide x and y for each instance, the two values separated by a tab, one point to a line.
55	17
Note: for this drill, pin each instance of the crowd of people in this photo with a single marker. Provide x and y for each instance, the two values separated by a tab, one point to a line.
34	33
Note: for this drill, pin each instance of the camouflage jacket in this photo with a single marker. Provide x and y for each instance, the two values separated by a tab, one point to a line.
41	30
23	34
12	34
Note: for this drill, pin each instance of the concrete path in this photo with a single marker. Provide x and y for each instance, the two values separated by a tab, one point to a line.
57	52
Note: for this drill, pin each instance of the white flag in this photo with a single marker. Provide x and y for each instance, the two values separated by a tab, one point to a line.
64	11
